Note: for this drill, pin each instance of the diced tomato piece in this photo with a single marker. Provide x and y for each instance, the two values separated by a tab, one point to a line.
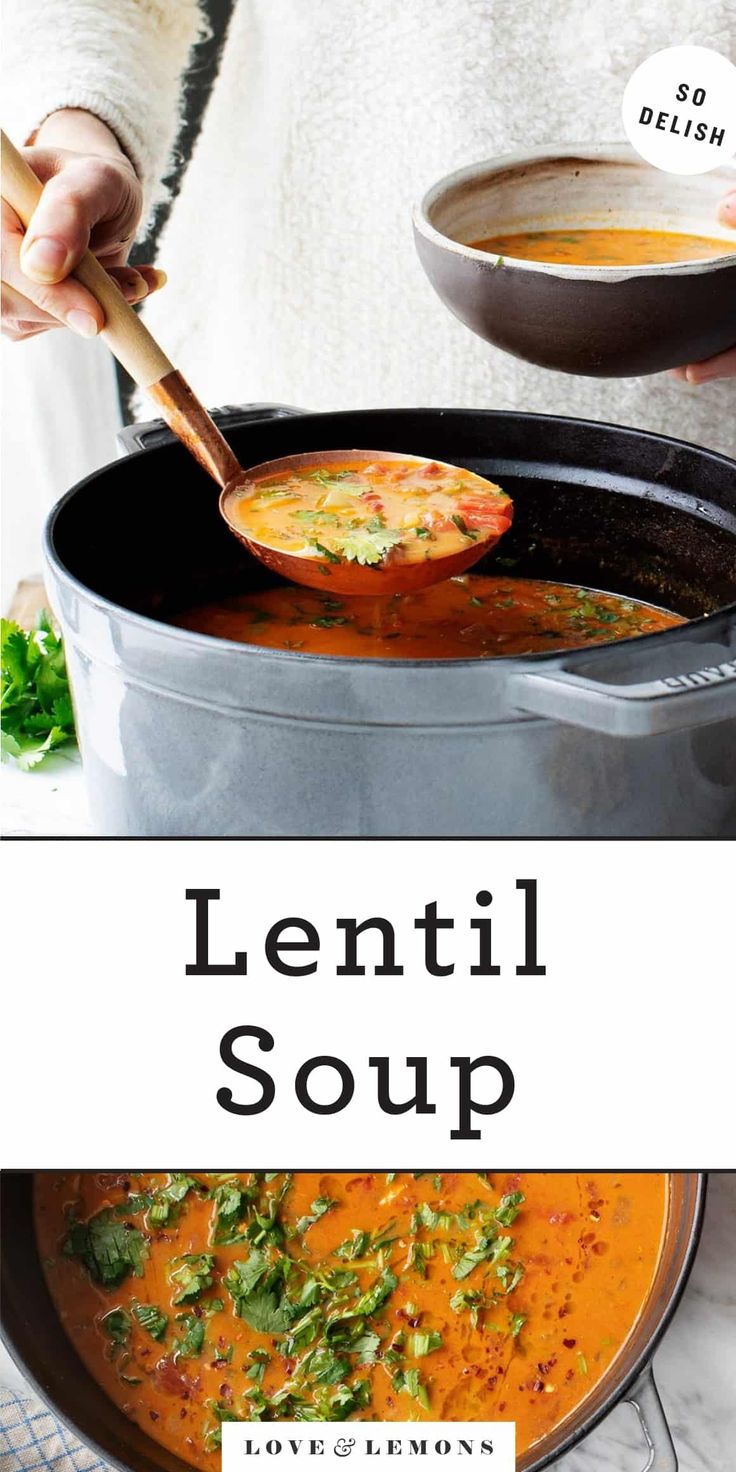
481	515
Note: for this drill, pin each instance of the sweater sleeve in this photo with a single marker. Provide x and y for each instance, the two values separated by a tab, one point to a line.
123	60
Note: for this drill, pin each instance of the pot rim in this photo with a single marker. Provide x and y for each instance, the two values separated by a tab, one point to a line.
715	621
612	152
644	1359
617	1394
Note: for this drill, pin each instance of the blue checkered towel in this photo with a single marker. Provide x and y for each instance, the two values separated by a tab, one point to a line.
31	1439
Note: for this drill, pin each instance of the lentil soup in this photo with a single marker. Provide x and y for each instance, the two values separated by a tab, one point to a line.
605	247
471	616
198	1299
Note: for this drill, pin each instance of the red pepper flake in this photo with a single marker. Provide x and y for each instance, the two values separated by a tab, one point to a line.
153	1415
569	1343
538	1385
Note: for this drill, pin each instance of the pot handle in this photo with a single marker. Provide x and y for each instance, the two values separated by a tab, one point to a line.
675	703
644	1397
142	436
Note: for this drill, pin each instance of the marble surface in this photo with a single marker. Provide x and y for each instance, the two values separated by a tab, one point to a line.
695	1364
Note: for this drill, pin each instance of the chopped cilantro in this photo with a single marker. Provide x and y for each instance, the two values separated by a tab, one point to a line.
190	1346
322	1203
117	1325
325	551
110	1249
420	1344
463	527
354	1246
508	1208
151	1319
366	544
192	1275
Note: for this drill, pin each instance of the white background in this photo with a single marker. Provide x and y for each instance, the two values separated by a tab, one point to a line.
623	1052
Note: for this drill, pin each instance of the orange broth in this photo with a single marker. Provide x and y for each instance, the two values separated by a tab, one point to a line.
478	1296
372	512
472	616
606	247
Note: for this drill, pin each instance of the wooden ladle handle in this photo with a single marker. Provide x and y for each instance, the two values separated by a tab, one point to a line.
128	338
123	332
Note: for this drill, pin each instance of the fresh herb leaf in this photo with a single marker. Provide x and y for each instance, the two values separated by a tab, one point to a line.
325	552
117	1326
151	1319
355	1246
192	1276
366	545
170	1196
190	1346
420	1344
37	715
322	1203
110	1249
265	1311
463	527
508	1208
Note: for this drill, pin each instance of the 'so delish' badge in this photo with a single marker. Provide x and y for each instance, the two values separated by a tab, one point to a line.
679	110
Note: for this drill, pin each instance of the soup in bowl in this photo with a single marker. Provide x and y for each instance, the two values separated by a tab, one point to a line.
584	259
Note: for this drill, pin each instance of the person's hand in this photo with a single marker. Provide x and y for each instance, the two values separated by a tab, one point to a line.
724	364
92	197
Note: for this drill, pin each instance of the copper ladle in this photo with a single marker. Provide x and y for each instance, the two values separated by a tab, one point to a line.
135	347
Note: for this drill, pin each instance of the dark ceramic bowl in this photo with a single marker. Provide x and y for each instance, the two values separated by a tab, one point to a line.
606	322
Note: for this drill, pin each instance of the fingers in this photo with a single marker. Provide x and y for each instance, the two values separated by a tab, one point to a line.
20	318
79	192
727	210
143	280
29	308
69	302
723	365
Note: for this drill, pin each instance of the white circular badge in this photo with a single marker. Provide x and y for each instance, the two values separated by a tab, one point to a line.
679	110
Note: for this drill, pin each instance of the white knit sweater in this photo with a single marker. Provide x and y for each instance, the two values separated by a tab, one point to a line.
292	271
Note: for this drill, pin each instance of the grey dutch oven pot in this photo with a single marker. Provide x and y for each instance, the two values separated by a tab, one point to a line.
184	734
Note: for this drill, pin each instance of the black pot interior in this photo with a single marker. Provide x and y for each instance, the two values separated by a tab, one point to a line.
606	507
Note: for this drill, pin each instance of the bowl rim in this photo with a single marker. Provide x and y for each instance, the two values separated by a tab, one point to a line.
612	152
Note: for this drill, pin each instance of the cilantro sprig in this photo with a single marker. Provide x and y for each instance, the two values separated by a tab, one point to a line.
37	715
